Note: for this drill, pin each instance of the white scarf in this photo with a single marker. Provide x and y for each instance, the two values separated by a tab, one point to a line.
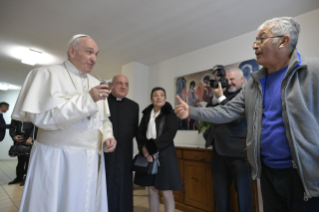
151	128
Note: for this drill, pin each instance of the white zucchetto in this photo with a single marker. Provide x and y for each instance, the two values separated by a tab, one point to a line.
76	37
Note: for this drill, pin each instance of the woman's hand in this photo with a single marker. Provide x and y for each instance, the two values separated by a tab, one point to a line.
149	158
145	152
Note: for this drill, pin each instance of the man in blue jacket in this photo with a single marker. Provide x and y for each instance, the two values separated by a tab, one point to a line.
280	102
4	107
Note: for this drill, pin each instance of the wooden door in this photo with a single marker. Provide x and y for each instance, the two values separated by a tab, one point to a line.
198	185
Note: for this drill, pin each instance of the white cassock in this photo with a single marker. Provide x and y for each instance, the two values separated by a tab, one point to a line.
66	169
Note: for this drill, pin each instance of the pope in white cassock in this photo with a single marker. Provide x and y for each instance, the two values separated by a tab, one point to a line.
66	168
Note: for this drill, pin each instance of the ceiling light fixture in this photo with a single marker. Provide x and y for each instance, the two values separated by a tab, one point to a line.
4	87
7	86
32	57
18	52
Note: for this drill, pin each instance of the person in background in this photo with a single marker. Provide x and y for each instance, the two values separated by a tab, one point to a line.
207	94
229	141
22	133
156	135
124	118
280	102
4	107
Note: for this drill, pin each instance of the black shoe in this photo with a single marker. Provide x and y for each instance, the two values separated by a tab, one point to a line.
16	180
22	184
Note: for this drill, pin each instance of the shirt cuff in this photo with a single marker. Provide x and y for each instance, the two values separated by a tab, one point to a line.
220	99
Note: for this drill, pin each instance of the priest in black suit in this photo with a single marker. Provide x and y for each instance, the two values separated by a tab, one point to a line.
3	126
124	117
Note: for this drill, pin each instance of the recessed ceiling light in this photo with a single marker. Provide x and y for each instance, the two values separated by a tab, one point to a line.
31	57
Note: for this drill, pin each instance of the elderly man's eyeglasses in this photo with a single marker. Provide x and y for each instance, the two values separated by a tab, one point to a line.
261	40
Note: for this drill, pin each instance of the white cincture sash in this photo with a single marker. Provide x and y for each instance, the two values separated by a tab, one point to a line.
78	139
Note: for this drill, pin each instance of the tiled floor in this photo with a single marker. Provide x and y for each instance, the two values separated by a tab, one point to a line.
10	195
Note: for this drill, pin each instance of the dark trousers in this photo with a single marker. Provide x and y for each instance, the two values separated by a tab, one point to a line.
22	167
282	190
226	170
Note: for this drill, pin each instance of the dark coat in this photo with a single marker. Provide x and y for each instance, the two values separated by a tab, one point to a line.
228	139
227	163
29	130
3	127
124	118
168	177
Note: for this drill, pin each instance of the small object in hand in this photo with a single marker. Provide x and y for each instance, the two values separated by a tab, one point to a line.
107	82
101	94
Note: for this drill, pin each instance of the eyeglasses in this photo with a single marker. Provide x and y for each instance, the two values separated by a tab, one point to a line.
261	40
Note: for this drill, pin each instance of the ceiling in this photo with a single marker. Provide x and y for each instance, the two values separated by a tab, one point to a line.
145	31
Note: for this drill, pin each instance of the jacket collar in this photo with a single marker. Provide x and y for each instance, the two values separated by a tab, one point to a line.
230	95
166	109
294	60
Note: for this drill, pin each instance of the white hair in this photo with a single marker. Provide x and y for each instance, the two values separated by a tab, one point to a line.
284	26
74	44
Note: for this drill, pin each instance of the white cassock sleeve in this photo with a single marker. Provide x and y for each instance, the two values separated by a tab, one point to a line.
74	110
107	130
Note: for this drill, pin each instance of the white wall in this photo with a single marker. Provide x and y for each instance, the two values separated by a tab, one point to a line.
228	52
137	75
10	97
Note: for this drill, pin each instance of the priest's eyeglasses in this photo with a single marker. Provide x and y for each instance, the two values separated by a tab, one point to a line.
261	40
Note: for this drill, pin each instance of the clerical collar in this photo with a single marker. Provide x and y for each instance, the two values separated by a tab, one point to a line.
116	98
84	77
71	68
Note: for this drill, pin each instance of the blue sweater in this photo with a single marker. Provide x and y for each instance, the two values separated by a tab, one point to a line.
275	151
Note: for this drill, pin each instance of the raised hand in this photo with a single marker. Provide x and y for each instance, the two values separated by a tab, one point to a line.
99	92
181	110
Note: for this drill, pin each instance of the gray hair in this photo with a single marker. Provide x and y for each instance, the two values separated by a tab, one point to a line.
284	26
74	44
240	73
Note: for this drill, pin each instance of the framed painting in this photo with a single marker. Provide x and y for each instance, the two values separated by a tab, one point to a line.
196	91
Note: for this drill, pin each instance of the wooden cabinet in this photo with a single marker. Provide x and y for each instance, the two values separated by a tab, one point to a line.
198	186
